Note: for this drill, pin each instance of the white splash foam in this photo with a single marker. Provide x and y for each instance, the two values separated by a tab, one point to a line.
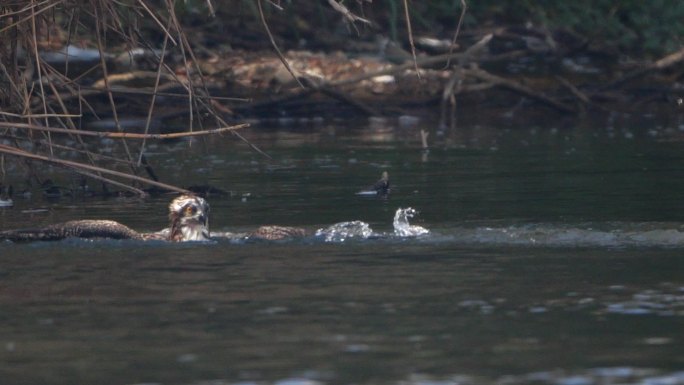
340	232
402	227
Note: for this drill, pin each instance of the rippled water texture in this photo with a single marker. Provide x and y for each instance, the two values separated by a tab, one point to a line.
543	255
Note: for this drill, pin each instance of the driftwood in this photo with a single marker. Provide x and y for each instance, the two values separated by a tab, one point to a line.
517	87
334	88
470	73
663	63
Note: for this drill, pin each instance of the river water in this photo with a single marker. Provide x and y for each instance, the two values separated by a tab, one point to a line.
554	256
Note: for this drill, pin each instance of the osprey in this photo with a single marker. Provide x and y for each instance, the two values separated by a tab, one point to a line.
188	221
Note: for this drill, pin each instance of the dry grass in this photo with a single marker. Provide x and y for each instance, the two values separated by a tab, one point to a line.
41	104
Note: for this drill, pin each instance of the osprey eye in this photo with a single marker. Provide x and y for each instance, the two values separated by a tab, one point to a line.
190	210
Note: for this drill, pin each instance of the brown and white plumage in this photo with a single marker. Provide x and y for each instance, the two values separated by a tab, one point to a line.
273	233
188	221
189	217
87	228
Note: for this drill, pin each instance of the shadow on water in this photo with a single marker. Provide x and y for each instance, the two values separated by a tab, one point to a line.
553	257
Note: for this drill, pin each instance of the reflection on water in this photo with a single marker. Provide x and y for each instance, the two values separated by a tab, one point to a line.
553	257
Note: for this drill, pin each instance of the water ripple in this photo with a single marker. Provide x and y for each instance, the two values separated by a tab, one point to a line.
623	375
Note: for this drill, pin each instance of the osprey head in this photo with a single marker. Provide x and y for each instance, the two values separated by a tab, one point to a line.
189	216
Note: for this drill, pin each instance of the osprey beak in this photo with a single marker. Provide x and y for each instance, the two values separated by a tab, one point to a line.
203	219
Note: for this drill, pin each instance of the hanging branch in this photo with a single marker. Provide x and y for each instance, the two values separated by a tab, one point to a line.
275	46
346	13
86	167
660	64
150	110
410	36
100	47
517	87
464	6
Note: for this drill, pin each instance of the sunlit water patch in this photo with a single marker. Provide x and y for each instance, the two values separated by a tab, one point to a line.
665	300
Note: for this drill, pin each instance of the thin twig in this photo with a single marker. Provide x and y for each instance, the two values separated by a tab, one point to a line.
123	135
346	13
81	166
150	110
183	44
111	181
110	96
108	158
42	8
39	116
660	64
39	67
211	8
156	20
464	6
275	46
409	30
88	91
515	86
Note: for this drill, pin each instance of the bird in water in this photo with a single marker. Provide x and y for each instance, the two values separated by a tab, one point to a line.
188	221
6	196
381	188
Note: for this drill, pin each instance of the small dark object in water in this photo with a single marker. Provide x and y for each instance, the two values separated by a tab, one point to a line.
380	188
6	196
53	191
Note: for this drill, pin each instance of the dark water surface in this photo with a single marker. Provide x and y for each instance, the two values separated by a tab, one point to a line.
555	257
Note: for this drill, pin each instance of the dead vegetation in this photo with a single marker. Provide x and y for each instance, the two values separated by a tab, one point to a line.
44	100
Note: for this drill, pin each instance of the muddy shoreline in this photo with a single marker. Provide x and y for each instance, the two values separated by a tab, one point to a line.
257	85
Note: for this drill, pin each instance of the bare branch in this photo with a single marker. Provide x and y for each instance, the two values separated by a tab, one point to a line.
464	6
410	36
346	13
275	46
81	166
122	135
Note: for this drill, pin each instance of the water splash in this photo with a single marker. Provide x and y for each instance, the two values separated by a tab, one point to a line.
402	227
340	232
